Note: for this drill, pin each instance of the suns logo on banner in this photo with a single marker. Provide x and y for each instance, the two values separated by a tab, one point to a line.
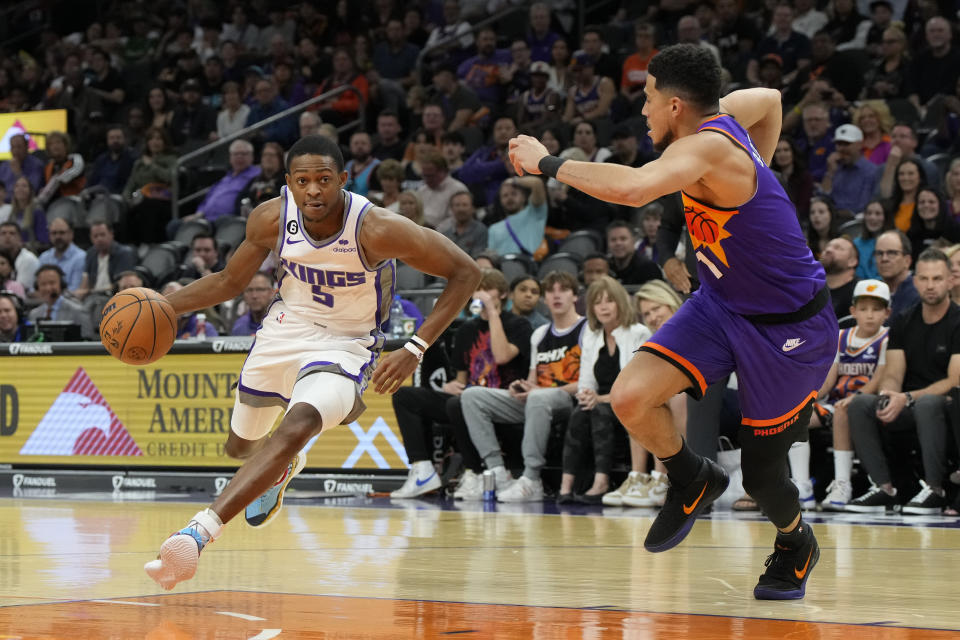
80	423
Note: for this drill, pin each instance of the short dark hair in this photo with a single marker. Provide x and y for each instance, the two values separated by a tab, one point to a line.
204	236
620	224
389	113
690	72
596	255
316	146
516	281
11	223
933	255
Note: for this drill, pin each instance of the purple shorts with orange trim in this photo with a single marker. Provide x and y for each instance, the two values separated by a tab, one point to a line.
779	367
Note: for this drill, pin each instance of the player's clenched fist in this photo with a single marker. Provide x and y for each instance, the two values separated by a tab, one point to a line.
525	154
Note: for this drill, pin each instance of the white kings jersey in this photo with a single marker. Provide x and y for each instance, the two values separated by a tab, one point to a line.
328	282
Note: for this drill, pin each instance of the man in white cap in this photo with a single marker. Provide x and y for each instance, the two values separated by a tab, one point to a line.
850	179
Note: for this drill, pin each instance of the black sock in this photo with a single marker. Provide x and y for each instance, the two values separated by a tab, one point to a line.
683	466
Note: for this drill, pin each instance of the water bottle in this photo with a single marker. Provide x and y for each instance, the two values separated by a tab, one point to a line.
201	327
397	316
476	306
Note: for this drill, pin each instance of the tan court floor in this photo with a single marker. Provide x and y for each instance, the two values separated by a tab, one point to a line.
72	569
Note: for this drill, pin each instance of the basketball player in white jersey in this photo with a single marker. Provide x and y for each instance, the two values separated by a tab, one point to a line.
320	339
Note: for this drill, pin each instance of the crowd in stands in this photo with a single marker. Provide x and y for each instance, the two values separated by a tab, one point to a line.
868	155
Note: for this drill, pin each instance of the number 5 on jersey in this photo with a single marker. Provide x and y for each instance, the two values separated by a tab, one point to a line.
323	297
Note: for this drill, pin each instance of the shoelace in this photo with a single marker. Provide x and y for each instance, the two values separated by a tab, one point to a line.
925	493
872	491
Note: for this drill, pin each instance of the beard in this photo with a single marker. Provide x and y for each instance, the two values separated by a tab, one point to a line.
832	267
661	145
934	299
361	157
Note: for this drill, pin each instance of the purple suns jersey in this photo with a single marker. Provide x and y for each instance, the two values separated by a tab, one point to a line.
856	365
754	258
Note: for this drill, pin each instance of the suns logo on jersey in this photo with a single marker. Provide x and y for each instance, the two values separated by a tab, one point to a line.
706	226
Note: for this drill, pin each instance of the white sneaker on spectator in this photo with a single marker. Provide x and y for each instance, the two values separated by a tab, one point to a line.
652	494
839	493
470	486
522	490
615	498
422	478
807	501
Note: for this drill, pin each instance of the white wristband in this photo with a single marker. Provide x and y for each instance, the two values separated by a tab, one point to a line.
412	348
419	342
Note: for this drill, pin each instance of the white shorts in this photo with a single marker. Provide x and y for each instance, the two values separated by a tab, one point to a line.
287	348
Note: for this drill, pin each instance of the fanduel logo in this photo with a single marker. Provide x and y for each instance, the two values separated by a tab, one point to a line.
30	349
231	346
80	422
361	488
124	482
20	480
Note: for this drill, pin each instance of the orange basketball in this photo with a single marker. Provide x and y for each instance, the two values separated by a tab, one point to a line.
138	326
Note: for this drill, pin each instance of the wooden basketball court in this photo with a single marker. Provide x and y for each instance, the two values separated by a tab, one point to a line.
369	568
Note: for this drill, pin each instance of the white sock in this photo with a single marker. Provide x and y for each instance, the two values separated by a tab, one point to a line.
799	455
207	522
842	465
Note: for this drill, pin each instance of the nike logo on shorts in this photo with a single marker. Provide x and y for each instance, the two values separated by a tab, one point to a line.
792	344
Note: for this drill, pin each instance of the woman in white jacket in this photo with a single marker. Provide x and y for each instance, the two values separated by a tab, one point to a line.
656	303
612	337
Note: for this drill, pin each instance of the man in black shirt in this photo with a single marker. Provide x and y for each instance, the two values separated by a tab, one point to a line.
629	267
840	259
389	143
923	364
490	350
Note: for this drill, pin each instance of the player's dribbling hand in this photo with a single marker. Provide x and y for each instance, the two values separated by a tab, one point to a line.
526	153
393	370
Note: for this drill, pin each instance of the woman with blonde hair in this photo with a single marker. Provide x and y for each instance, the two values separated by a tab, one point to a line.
876	122
612	337
27	212
953	255
390	175
409	206
656	302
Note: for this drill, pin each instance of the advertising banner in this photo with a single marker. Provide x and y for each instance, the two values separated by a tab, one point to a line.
30	122
95	410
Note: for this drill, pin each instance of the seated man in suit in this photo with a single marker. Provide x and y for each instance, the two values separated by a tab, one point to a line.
49	287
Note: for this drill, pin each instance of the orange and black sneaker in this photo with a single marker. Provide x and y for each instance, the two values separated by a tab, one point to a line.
794	556
683	505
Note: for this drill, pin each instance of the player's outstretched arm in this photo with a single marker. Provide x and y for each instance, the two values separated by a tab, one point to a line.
760	112
682	164
384	236
262	230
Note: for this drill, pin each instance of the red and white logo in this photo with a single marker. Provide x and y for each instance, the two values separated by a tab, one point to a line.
80	423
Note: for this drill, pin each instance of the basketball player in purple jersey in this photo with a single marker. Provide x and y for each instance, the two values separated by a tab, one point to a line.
762	309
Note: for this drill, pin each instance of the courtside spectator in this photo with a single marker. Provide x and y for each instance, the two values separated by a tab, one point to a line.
923	363
491	350
63	174
233	113
55	305
903	200
148	190
823	224
437	188
931	225
361	166
204	257
524	298
538	401
612	337
269	103
11	325
904	147
66	255
25	262
839	259
389	143
487	167
8	276
27	212
591	95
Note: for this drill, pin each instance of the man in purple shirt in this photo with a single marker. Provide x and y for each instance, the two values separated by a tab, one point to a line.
540	37
482	72
221	200
21	164
257	297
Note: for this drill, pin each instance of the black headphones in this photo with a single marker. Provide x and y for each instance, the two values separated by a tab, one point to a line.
58	270
17	305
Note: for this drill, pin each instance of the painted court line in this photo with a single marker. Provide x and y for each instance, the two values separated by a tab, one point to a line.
242	616
266	634
138	604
